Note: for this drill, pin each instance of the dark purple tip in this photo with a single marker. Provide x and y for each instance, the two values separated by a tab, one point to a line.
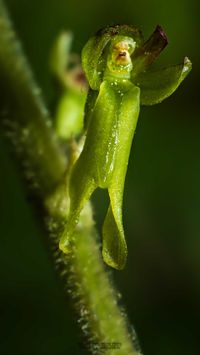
145	55
162	33
156	42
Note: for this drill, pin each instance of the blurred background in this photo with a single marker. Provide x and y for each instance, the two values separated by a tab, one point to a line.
160	286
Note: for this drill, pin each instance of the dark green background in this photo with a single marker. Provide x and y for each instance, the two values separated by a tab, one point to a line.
161	283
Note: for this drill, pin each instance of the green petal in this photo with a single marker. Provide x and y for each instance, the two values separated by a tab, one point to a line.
159	84
114	244
94	53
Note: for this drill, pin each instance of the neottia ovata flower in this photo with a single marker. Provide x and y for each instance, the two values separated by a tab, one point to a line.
116	62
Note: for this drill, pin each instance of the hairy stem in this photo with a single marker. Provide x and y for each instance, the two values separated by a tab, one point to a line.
23	110
25	119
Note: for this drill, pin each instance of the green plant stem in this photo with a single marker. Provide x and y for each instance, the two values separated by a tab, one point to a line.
25	118
102	321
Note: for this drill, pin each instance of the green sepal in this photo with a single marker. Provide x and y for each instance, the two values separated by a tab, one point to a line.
94	53
157	85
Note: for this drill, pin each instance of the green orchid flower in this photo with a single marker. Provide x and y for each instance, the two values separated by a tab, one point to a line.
116	62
